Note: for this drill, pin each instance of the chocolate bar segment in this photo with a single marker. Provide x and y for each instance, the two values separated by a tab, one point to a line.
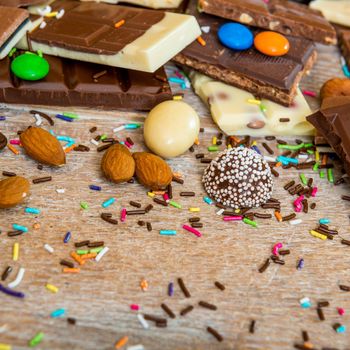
13	25
273	78
143	39
73	83
156	4
281	16
344	41
334	124
22	3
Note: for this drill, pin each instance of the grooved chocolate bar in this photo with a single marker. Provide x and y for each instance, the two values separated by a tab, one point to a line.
273	78
73	83
156	4
334	124
279	15
119	36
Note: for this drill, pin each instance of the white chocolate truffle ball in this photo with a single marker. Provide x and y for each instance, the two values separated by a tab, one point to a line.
171	128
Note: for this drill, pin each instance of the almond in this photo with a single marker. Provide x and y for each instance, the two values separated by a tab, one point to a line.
13	191
42	146
117	164
335	87
152	171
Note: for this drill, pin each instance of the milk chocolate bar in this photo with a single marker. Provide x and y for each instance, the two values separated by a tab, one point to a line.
334	124
236	112
21	3
13	25
281	16
156	4
73	83
344	41
273	78
119	36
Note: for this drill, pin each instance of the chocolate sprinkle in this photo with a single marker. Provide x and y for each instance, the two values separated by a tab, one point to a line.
6	273
207	305
42	179
264	266
183	287
186	310
252	326
168	310
215	333
219	285
135	204
8	173
67	263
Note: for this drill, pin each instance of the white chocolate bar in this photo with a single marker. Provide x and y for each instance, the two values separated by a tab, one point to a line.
156	4
147	53
234	115
336	11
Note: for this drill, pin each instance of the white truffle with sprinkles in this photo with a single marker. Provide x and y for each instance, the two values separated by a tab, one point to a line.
238	178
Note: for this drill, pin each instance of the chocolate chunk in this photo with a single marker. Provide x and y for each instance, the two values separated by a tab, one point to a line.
334	124
278	15
3	141
70	83
274	78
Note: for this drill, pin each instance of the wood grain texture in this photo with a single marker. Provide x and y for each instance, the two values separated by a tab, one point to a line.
99	297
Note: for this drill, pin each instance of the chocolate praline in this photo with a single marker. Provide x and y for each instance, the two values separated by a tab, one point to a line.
238	178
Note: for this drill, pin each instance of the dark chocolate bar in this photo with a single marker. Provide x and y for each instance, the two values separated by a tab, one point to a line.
278	15
333	123
274	78
74	83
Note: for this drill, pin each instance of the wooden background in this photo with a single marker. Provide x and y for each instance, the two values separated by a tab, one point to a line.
99	297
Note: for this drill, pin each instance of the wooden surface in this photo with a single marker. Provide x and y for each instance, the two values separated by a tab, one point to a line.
99	297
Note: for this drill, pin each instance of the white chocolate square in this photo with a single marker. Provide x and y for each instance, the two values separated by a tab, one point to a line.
234	115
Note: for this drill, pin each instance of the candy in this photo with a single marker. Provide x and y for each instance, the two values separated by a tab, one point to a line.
235	36
271	43
30	67
171	128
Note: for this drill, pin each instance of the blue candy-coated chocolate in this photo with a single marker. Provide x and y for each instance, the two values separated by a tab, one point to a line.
30	67
235	36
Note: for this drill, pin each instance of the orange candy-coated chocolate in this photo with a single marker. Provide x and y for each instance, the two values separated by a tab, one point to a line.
271	43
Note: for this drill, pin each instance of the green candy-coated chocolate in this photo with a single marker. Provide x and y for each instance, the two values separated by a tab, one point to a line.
30	67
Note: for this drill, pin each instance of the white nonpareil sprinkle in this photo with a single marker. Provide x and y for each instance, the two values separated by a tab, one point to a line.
60	190
219	212
49	248
119	128
295	222
101	254
38	118
18	278
269	159
238	178
303	156
205	29
94	142
136	347
143	322
42	25
44	11
60	14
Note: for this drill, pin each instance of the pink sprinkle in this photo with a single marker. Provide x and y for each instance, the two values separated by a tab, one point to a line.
309	93
233	218
127	144
123	215
15	142
314	191
192	230
178	74
341	311
134	307
298	201
297	208
276	248
166	197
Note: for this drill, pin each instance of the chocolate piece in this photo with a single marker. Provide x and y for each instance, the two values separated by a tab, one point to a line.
143	39
234	115
71	83
21	3
335	11
334	124
3	141
274	78
13	26
278	15
156	4
344	41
